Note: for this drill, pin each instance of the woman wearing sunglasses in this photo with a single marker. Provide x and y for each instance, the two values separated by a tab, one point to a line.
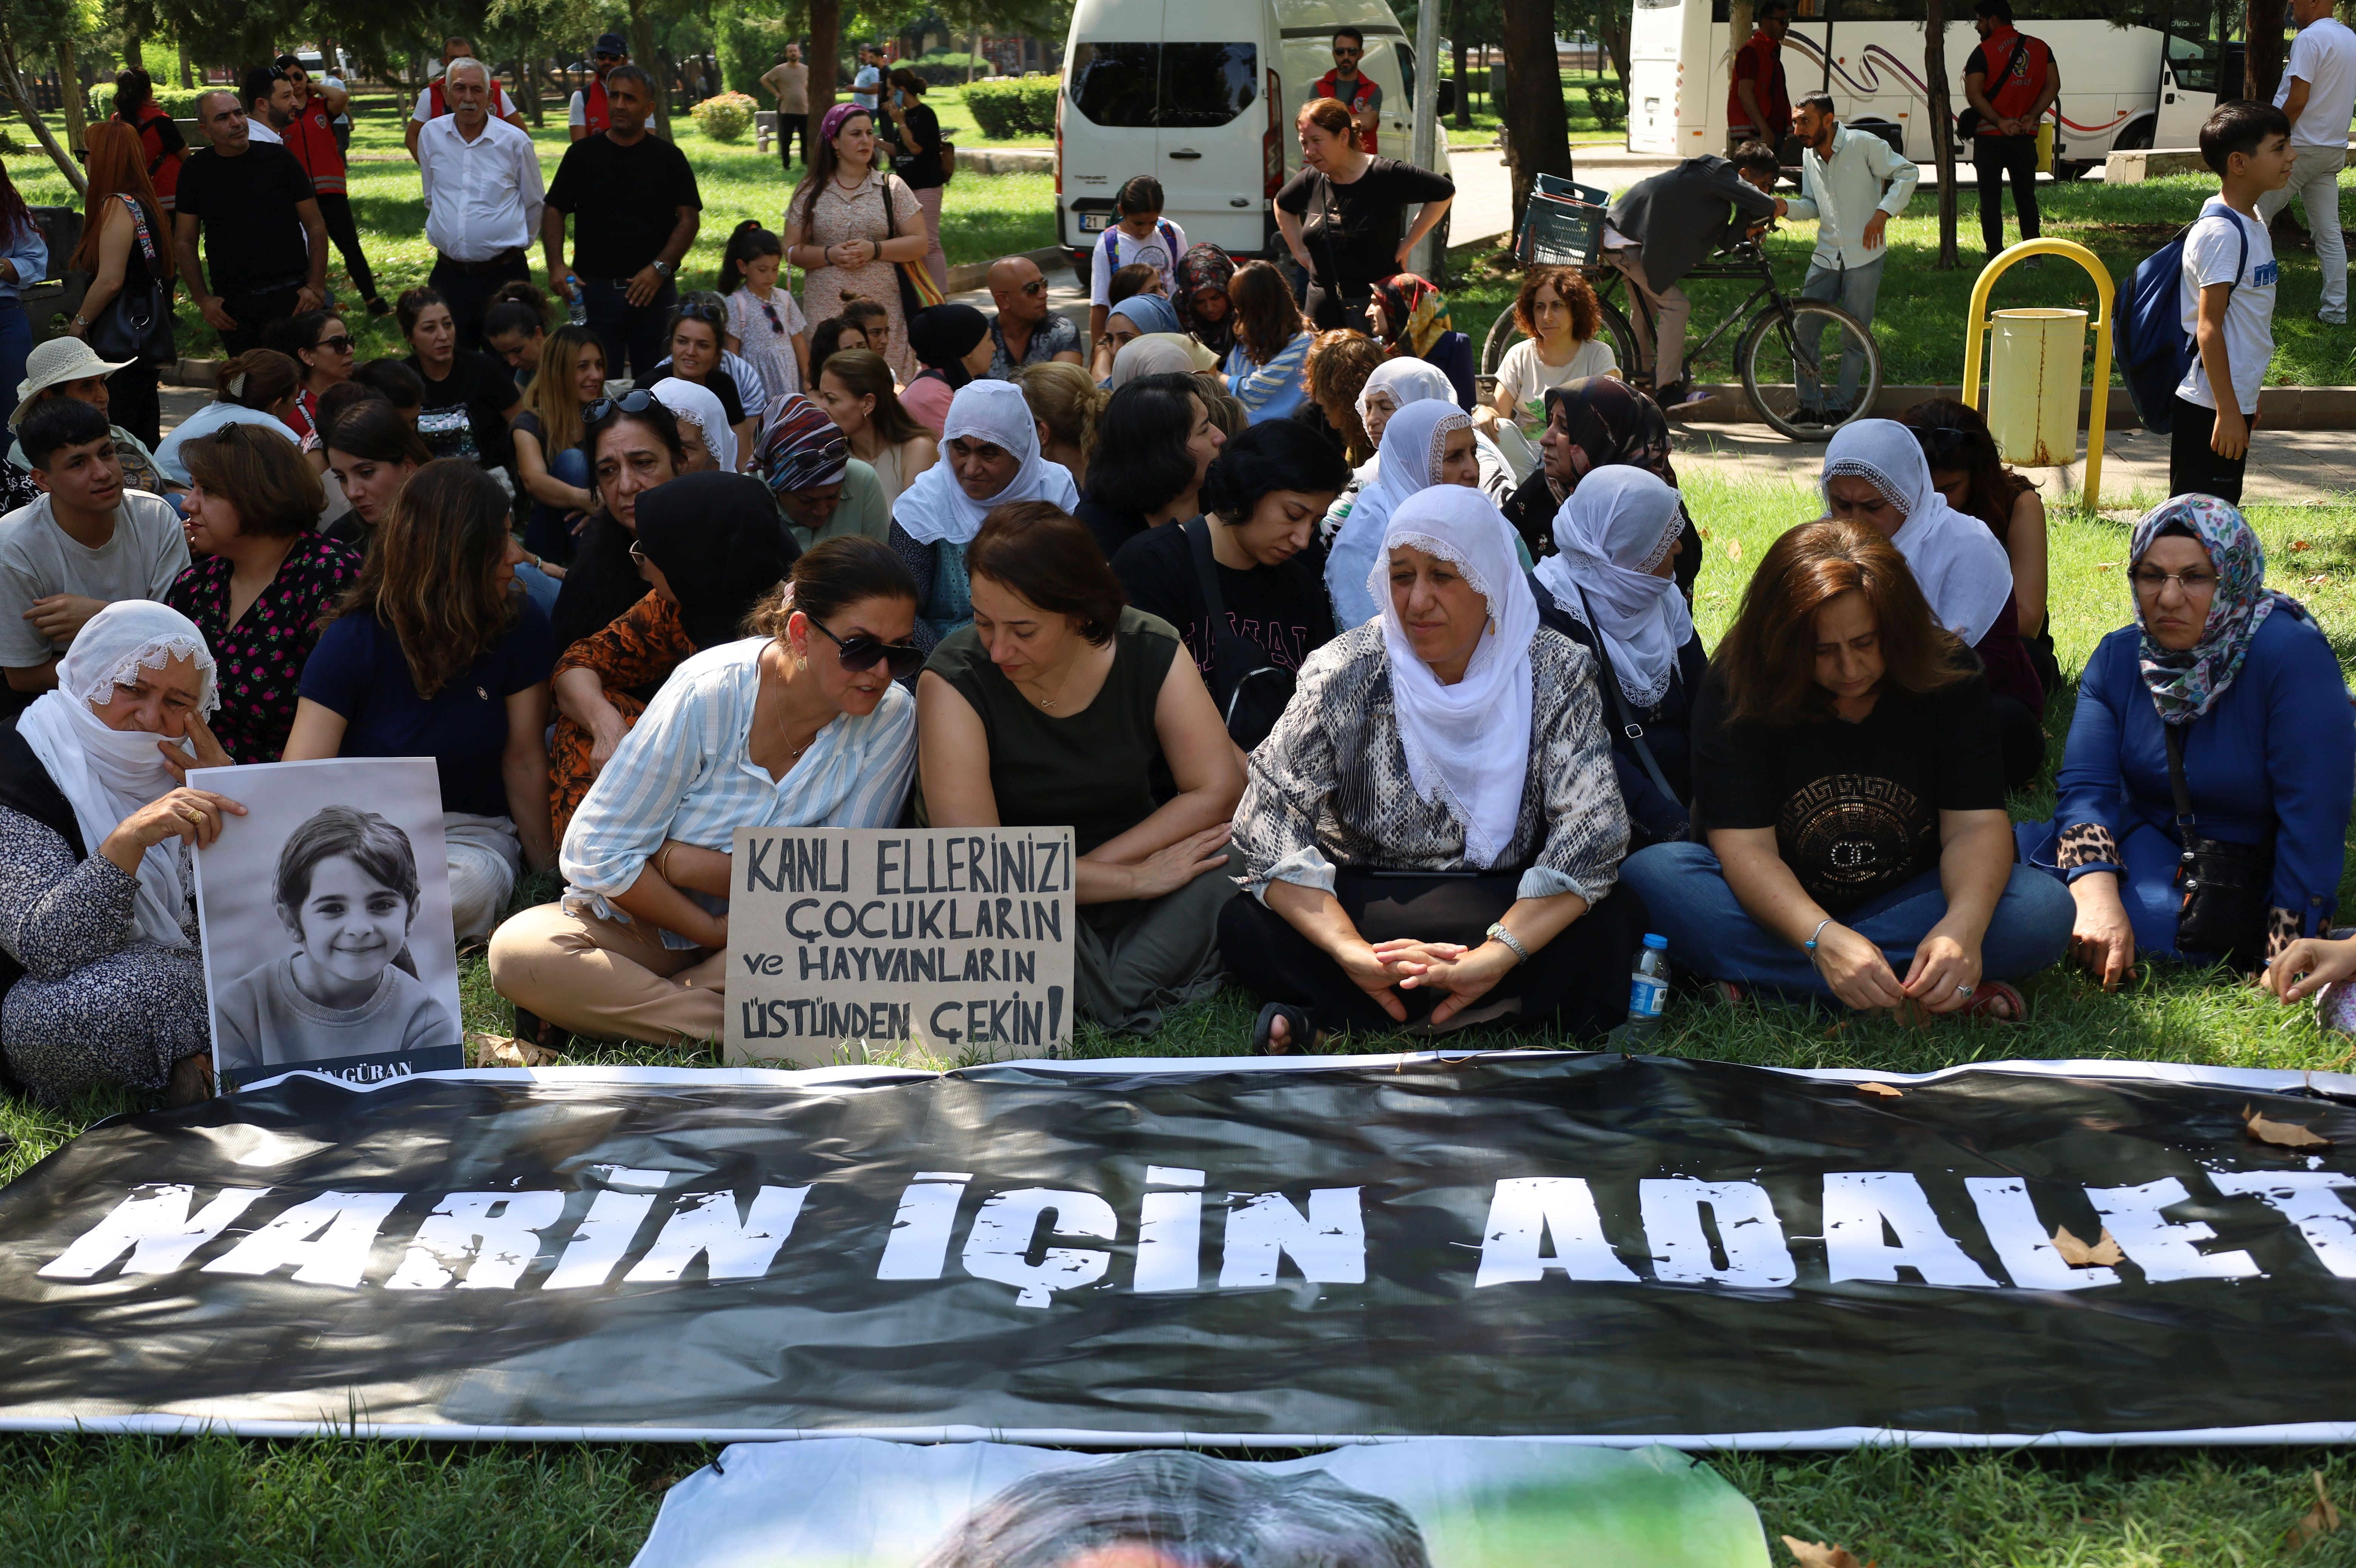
321	344
633	445
696	330
1967	469
813	733
709	547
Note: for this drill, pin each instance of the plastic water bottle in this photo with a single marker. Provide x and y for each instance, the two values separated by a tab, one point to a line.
579	304
1648	989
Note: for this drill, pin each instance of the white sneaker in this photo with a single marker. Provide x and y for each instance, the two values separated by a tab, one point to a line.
2328	319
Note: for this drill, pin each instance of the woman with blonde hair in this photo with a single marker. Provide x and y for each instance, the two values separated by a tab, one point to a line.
856	389
547	435
127	246
1067	404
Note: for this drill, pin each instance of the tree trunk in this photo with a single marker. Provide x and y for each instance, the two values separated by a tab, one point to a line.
71	102
1537	132
134	57
2261	66
825	57
1741	16
972	52
528	90
1463	83
1942	127
188	79
642	49
1611	27
20	93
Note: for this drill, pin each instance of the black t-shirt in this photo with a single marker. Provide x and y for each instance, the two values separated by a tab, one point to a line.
1352	232
624	201
1112	529
465	413
923	170
1855	806
253	235
719	383
1282	609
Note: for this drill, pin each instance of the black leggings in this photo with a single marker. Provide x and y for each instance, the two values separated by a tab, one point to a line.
1994	157
336	211
1575	985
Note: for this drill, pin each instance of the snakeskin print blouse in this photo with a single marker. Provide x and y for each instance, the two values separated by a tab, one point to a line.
1330	787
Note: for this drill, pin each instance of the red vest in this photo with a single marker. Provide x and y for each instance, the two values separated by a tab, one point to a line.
437	106
2026	65
312	139
593	113
1330	86
1761	62
163	171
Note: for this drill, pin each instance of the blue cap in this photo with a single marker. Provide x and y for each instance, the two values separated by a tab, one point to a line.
610	44
1661	943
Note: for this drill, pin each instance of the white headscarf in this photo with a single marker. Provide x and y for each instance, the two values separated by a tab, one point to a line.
701	407
1615	528
1407	380
1467	744
1956	561
1412	444
107	773
934	506
1158	354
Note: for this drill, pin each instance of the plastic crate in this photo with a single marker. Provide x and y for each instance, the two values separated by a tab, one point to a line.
1560	233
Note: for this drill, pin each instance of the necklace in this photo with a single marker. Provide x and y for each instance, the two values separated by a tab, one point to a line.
1049	702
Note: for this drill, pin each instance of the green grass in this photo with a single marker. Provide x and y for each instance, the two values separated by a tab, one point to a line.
220	1501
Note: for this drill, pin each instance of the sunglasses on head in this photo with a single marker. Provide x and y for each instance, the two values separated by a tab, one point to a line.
712	314
636	402
861	652
1942	441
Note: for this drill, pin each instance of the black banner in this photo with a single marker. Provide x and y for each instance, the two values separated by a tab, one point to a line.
1615	1249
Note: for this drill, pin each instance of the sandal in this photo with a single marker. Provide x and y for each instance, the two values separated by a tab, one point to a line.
1724	993
1996	1002
1300	1034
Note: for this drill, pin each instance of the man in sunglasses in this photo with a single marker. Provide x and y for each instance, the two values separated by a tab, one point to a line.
1026	332
589	112
483	199
1355	90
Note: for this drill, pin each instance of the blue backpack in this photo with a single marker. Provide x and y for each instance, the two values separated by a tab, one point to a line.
2154	349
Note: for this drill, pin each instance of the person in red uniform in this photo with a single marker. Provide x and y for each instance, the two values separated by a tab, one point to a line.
311	137
435	102
136	106
1759	104
588	114
2011	79
1356	91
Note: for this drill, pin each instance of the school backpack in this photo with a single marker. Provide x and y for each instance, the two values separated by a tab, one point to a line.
1111	245
2155	351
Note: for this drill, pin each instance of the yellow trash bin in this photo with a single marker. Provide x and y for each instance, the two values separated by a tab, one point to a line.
2036	366
2045	148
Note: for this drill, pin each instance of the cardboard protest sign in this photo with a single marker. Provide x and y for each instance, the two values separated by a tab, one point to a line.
326	912
948	939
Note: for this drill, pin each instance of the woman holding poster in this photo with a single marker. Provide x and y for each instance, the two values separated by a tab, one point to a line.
812	731
102	980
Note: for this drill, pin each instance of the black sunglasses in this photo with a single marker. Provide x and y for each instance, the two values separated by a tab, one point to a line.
1943	440
711	313
862	652
340	344
637	402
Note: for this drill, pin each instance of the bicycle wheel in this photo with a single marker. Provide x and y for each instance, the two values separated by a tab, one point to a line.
1502	333
1613	328
1782	350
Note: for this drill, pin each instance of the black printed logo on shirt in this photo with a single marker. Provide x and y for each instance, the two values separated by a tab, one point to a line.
1853	832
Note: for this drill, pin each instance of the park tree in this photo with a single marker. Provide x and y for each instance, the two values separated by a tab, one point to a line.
2262	64
1537	130
36	30
1942	127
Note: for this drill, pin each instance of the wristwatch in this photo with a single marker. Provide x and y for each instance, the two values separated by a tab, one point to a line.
665	269
1498	933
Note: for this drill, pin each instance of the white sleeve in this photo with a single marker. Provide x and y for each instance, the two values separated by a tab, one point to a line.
1511	368
424	100
2213	253
1101	275
578	114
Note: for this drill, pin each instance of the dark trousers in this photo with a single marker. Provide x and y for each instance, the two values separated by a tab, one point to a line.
1994	157
335	210
2193	468
2020	736
1575	985
15	344
133	402
635	331
468	290
788	125
255	313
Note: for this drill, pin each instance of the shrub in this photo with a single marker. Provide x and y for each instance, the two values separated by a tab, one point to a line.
179	103
726	117
1610	105
942	69
1011	106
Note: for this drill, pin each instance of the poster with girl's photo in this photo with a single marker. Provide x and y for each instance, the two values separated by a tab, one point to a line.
325	915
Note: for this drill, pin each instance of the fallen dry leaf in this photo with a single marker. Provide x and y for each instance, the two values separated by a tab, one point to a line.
2079	1255
2298	545
2318	577
2105	566
1837	1030
1883	1090
1734	550
2320	1519
2288	1134
1816	1554
502	1051
1705	533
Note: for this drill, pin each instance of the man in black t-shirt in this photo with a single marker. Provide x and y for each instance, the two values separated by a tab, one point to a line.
265	244
637	207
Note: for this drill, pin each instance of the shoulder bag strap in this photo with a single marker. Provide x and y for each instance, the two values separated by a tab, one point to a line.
1628	725
1248	657
2174	739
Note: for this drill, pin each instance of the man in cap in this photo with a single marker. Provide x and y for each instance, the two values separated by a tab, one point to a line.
589	113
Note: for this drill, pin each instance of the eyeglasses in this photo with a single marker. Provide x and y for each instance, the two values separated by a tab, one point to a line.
862	652
339	344
2151	580
636	402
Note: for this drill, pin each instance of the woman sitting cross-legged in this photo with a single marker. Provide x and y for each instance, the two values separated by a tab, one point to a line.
1426	444
1052	709
710	548
1611	587
989	459
438	653
1431	831
1875	473
2240	684
1849	833
799	724
100	981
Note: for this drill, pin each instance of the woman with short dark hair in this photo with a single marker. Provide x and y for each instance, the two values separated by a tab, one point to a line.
470	400
1154	441
1053	710
1850	839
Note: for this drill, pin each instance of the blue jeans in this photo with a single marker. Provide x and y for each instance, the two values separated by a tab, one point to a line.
542	588
1711	933
16	343
1853	289
545	532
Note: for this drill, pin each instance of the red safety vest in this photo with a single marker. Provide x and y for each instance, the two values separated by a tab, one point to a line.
593	113
312	139
1329	86
2026	64
1761	60
163	170
436	106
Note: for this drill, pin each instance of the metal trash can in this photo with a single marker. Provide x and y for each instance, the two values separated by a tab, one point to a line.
2036	367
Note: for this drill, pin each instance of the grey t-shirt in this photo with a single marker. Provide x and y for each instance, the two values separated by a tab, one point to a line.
38	559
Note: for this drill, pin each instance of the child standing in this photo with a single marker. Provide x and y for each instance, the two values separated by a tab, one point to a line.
2228	301
1142	235
765	325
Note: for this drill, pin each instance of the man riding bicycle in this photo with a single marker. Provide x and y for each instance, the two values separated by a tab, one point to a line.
1664	227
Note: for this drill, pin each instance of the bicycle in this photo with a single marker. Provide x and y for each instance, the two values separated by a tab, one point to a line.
1768	355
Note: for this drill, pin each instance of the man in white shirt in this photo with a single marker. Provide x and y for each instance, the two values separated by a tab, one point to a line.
1852	183
269	105
869	83
435	102
483	199
87	542
2318	95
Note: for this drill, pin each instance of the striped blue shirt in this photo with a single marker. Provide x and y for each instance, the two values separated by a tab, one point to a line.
683	772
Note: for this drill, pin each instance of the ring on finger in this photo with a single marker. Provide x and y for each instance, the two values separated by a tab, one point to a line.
1963	991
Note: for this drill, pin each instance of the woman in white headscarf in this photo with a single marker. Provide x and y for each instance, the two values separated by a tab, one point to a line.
702	418
103	982
1425	443
1611	587
990	458
1394	385
1456	740
1158	354
1875	473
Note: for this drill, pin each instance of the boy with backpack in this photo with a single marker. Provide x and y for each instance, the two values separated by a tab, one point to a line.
2227	302
1140	234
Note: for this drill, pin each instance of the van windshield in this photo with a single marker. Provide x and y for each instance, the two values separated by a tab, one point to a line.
1158	85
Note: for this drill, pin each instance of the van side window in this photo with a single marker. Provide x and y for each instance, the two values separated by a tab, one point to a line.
1188	85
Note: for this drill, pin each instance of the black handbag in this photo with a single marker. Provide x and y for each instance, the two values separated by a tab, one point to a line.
137	322
2224	885
1250	691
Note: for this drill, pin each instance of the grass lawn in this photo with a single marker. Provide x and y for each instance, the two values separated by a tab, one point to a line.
218	1500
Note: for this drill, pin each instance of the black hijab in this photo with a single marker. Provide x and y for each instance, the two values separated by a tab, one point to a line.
943	335
720	545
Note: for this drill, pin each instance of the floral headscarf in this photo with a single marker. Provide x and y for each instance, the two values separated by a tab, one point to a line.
2185	684
1415	314
1205	266
1613	422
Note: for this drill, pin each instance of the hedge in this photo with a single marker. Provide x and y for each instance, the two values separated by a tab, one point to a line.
180	102
726	117
1012	106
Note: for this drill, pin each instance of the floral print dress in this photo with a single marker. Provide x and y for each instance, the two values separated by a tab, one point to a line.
835	216
262	657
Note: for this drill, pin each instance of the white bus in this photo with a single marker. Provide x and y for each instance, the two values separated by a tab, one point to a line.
1869	55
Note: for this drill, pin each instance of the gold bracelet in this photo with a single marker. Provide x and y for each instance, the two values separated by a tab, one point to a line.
662	862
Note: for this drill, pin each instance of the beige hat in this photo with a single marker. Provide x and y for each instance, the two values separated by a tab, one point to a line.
54	363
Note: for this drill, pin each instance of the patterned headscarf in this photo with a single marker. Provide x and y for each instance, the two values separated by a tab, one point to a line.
2185	684
1415	314
1205	266
837	115
1613	422
803	448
